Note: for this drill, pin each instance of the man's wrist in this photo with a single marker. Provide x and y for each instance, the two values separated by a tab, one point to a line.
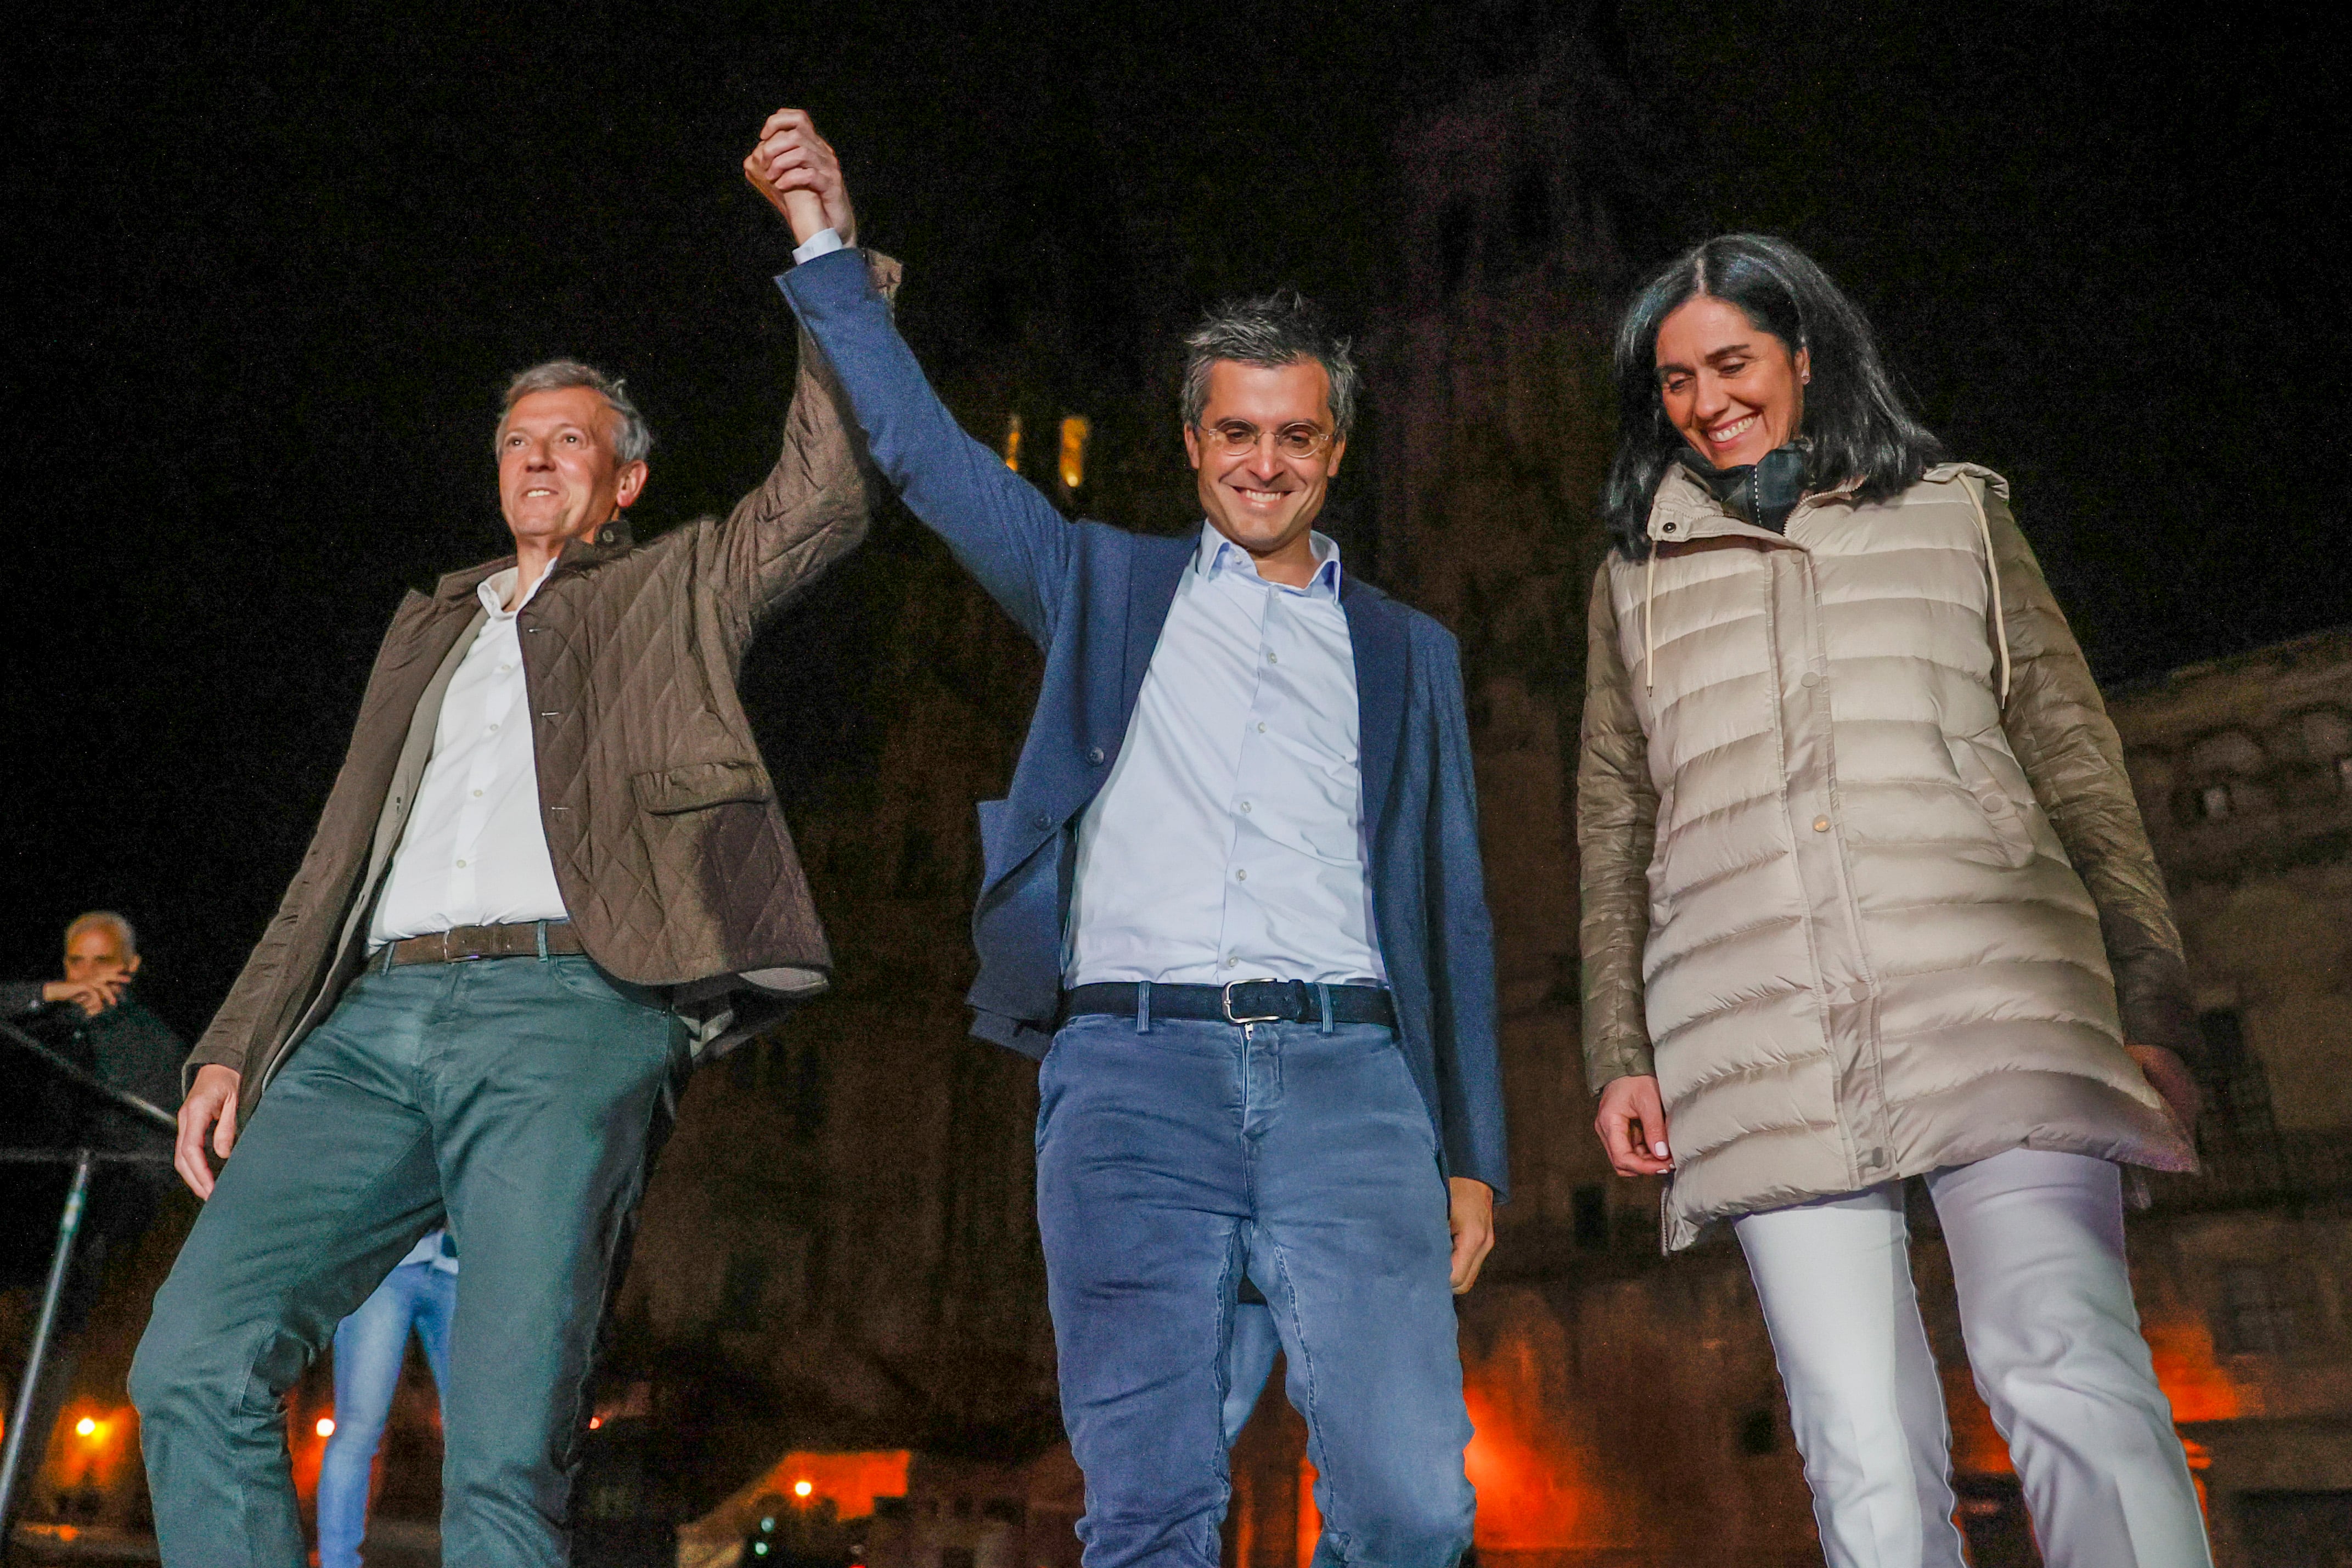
825	241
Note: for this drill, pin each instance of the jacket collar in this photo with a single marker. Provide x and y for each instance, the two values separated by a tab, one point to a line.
615	539
1684	510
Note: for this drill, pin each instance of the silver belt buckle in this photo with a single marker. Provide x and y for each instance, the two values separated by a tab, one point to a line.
1249	1018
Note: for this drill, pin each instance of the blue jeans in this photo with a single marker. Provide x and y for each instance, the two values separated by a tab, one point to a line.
1173	1159
521	1102
369	1345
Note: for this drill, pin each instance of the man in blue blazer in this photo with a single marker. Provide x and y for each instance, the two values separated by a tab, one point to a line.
1233	902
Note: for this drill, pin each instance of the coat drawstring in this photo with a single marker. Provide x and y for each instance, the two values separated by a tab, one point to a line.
1649	622
1992	570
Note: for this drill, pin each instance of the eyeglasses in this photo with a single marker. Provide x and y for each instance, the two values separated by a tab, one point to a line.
1239	438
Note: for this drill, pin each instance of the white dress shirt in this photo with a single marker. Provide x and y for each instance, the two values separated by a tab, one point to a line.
1228	841
474	850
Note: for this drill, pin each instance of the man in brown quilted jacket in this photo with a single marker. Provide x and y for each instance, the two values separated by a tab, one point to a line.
550	873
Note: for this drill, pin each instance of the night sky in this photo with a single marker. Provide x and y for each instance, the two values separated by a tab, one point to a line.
273	264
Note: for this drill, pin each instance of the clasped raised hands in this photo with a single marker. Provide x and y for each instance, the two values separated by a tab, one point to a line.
796	170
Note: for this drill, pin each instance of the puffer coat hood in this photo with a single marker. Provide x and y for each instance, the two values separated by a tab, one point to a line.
1855	937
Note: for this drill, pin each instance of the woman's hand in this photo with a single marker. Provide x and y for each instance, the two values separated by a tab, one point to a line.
1632	1126
2169	1076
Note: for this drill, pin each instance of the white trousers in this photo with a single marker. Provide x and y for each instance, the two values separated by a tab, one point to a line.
2037	1248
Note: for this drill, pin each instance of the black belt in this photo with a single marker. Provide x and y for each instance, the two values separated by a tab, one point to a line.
1243	1001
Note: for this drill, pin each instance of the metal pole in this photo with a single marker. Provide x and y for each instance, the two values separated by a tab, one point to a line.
69	1226
90	1083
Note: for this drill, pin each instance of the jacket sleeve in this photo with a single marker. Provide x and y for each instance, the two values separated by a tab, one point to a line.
1006	534
2059	730
1616	826
816	503
1461	932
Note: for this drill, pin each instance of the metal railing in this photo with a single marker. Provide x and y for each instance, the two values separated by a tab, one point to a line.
85	1161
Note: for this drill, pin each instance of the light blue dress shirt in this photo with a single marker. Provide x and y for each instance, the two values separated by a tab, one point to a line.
1228	841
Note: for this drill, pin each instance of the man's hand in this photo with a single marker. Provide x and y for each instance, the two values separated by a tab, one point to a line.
2169	1076
1470	1215
796	171
92	995
210	1107
1632	1126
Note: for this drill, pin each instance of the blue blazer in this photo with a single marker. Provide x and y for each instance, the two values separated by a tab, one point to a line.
1094	598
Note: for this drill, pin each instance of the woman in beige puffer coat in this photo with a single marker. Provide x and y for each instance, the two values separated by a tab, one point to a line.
1866	896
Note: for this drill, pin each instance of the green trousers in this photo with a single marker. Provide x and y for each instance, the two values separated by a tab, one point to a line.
521	1101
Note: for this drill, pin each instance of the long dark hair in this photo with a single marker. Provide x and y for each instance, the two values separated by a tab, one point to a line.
1854	416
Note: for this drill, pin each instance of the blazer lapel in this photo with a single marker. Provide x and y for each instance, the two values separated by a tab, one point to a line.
1154	569
1383	664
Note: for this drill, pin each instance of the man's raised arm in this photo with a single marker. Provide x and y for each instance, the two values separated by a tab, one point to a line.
1005	532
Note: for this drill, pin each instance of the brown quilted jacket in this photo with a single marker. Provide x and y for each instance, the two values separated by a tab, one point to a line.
1857	911
674	860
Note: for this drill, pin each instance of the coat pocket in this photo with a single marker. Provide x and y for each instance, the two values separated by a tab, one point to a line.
2008	833
696	785
1660	875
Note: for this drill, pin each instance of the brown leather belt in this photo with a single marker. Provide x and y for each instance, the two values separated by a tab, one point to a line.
528	939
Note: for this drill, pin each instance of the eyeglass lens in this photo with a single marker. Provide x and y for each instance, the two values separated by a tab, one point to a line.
1235	437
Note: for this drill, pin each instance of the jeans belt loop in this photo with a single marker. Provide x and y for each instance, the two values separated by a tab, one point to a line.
538	929
1323	995
1143	1006
385	967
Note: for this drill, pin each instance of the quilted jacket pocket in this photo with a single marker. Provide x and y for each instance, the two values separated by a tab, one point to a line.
691	788
2011	834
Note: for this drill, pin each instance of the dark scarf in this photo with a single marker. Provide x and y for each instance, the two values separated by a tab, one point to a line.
1763	493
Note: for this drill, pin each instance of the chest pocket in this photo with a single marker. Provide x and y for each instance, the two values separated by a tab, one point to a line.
699	785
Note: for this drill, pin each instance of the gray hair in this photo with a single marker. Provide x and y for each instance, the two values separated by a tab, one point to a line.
106	918
1273	330
631	437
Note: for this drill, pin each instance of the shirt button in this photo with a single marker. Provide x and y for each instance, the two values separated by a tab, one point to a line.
1811	680
506	669
492	729
1261	726
1241	876
1246	805
1231	960
1989	802
461	866
1041	820
478	794
1094	754
1273	658
1820	824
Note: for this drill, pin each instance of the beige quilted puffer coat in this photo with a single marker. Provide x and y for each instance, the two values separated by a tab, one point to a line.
1841	796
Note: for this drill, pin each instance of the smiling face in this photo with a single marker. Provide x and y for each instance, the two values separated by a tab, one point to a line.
1262	499
558	479
1733	390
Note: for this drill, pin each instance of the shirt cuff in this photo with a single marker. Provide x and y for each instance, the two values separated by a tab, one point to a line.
825	241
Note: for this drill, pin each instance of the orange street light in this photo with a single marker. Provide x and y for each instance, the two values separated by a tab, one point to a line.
326	1425
802	1489
86	1428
